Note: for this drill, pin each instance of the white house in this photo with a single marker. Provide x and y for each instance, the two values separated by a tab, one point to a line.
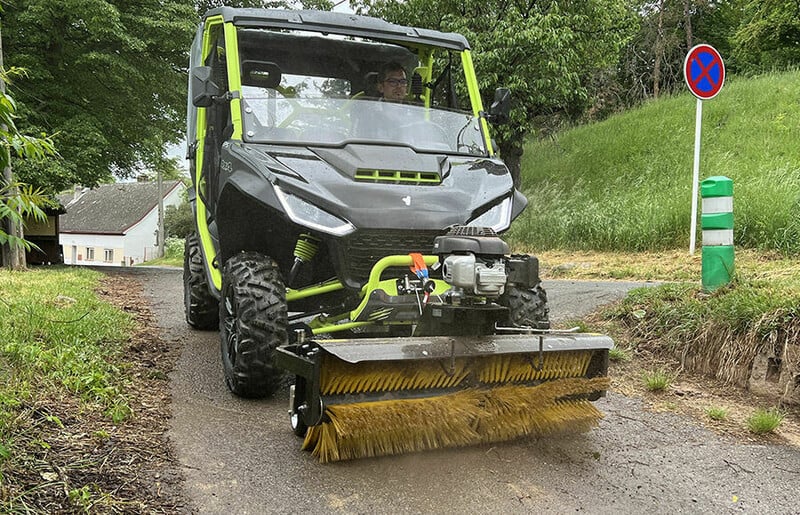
114	224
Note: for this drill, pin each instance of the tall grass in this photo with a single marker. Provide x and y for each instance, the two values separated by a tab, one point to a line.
58	339
625	183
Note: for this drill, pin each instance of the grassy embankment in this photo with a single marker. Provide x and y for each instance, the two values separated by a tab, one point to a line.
624	185
60	356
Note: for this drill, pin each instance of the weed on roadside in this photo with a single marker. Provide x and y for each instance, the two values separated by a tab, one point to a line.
656	380
717	413
765	421
619	354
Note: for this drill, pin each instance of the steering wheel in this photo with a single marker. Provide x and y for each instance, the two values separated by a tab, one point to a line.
341	112
429	129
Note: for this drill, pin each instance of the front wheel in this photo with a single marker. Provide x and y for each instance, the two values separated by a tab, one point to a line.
252	313
527	307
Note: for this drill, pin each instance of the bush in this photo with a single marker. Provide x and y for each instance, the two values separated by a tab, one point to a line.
173	248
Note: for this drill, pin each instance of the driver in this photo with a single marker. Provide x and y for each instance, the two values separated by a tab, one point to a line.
392	82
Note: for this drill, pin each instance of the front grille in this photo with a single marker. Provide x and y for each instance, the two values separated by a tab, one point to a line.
358	253
469	231
398	177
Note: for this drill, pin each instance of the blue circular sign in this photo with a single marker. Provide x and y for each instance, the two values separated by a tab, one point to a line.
704	71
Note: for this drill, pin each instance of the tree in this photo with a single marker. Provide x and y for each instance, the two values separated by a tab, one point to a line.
651	63
178	220
106	77
16	200
769	35
544	51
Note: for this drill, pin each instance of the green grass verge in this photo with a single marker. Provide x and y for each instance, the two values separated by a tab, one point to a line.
625	183
57	341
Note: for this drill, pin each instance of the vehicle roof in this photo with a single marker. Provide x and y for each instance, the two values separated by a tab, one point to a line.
339	23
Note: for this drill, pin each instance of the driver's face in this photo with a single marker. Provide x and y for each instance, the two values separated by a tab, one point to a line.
393	86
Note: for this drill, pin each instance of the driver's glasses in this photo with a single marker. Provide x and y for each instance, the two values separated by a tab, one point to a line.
396	82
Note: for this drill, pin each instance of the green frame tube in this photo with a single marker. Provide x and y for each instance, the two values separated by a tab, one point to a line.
375	276
234	85
319	289
475	97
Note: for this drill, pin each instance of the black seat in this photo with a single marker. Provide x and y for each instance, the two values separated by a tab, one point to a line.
371	85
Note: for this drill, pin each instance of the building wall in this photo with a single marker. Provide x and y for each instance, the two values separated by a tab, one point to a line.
141	241
77	249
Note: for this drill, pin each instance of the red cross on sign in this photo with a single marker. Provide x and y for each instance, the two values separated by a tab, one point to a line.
704	71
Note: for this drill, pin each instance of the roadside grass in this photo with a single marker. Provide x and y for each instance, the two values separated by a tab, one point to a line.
720	334
59	345
715	339
717	413
669	265
765	421
625	183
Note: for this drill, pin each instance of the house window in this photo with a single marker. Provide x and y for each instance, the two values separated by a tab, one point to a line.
89	253
109	255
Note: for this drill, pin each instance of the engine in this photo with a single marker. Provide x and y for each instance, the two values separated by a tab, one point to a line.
473	262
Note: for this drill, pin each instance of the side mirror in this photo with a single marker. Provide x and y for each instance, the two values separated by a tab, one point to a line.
501	107
204	90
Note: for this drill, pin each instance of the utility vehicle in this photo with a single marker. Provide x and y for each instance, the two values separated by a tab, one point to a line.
351	240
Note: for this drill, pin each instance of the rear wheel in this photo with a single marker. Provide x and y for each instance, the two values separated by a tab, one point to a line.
527	307
201	308
253	323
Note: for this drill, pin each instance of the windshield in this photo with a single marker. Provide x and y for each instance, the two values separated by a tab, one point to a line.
306	118
309	88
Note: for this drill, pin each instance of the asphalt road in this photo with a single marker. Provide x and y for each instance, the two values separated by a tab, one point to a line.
241	457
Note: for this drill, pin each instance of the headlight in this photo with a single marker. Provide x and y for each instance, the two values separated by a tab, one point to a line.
497	217
309	215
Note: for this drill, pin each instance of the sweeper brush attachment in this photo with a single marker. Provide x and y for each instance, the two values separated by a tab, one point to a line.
373	397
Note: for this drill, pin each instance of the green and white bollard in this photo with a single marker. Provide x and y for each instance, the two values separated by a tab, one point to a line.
717	224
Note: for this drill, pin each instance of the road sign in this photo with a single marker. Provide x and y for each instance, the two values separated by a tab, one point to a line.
704	71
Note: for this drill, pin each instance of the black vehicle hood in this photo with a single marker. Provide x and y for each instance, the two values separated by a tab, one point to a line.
334	179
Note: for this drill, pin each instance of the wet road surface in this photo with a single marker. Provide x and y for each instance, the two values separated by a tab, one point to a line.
241	457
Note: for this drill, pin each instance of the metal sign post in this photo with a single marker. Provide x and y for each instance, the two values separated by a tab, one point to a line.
704	72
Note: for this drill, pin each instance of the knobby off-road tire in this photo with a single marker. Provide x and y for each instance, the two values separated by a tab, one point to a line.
527	307
201	308
252	316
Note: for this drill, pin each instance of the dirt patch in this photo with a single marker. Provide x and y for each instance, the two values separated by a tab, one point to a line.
86	463
694	395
